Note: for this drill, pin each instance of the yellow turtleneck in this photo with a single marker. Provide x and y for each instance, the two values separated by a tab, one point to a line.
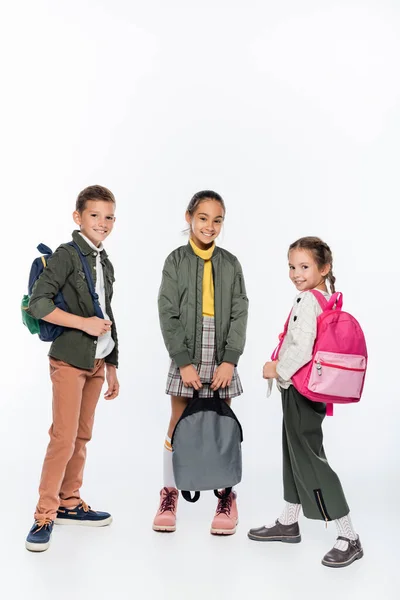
208	283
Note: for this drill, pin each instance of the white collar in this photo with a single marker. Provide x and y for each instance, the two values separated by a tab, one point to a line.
97	248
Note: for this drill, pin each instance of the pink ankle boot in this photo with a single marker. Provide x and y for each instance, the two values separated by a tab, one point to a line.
226	516
165	518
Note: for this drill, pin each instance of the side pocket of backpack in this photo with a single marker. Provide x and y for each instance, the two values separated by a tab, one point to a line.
337	374
30	322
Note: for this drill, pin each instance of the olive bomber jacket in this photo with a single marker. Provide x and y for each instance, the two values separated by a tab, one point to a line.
180	306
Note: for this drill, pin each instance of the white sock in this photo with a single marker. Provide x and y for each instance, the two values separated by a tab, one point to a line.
290	514
345	529
168	471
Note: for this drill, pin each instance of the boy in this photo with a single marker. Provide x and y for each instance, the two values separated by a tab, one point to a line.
79	358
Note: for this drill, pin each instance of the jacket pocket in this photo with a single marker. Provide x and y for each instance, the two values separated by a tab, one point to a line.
241	284
110	280
80	280
108	284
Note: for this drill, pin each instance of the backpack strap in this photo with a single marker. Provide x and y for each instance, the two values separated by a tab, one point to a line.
322	301
275	354
329	409
43	249
89	280
188	496
324	304
336	298
224	494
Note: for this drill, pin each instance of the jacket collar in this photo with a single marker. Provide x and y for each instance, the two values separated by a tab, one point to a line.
84	246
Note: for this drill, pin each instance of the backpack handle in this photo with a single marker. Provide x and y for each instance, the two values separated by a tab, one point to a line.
188	496
43	249
196	395
223	494
89	280
336	298
219	494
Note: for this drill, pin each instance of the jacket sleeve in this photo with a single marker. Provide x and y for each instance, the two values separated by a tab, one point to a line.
236	338
50	282
168	310
112	358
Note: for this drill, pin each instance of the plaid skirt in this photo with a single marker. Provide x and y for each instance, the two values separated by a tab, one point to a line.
205	370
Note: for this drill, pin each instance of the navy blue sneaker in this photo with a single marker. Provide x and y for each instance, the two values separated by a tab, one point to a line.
39	537
82	515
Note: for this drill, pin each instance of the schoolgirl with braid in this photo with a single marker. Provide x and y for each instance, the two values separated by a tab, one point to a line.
309	483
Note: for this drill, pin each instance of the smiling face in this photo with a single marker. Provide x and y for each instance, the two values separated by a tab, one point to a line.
96	221
305	272
206	223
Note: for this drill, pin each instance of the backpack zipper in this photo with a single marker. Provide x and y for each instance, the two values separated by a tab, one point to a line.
321	363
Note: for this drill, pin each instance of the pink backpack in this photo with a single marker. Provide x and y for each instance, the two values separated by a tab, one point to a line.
336	372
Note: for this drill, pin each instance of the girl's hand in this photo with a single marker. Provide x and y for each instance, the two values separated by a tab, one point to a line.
269	370
222	376
113	383
190	377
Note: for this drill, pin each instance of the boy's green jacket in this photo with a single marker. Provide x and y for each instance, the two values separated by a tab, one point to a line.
64	273
180	303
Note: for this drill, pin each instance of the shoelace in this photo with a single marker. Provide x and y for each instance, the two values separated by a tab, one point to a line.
85	506
169	501
40	523
224	505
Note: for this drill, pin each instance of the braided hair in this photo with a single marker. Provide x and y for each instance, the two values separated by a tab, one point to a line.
322	255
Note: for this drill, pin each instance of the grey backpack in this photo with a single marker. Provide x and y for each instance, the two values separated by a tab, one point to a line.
206	448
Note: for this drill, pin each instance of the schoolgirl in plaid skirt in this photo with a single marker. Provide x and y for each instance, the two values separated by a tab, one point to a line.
203	316
205	368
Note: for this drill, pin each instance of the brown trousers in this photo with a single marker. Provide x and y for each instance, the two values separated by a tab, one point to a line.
75	396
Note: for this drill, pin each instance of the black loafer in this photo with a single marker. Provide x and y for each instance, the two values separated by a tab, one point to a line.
289	534
343	558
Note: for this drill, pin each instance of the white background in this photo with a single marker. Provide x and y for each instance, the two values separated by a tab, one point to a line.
288	109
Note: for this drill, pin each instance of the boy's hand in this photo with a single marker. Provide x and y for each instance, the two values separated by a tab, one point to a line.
269	370
222	376
190	377
113	383
95	326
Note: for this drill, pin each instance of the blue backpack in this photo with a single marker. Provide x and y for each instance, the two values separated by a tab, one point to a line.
48	332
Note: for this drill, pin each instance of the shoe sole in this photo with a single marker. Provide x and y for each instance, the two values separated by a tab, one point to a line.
215	531
103	523
36	547
223	531
164	528
286	540
345	564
